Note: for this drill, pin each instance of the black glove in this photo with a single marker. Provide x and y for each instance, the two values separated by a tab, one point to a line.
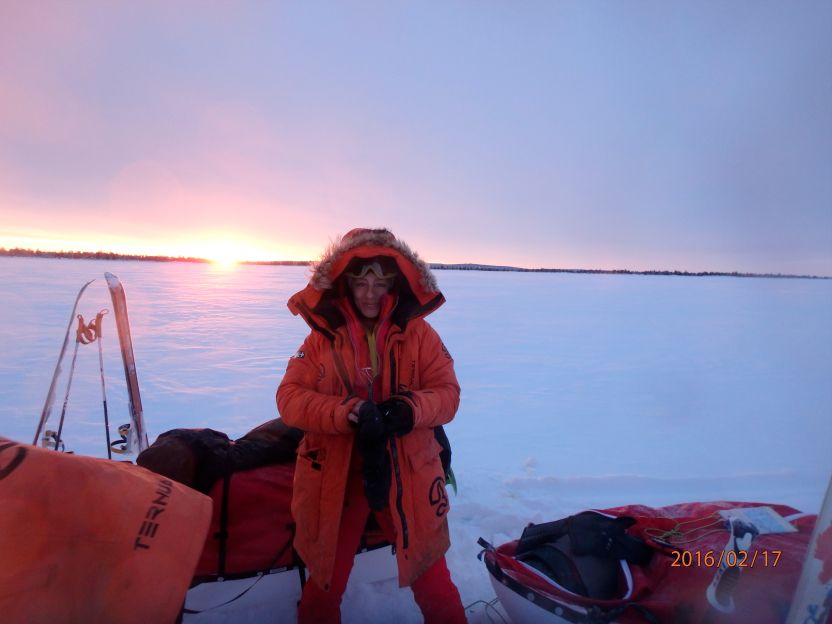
397	415
370	424
372	444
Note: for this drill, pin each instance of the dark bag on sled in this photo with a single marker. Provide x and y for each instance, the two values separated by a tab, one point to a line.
582	552
199	457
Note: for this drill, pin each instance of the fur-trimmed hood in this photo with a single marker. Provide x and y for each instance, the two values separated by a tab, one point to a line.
418	291
381	240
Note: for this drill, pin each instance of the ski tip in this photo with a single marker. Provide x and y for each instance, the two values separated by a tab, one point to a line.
112	280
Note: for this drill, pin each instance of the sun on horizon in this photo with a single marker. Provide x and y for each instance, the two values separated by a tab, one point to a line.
225	252
223	255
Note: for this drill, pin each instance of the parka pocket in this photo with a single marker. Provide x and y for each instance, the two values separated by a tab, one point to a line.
428	482
429	452
306	492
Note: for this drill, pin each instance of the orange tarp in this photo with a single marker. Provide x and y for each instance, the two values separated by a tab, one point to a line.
93	540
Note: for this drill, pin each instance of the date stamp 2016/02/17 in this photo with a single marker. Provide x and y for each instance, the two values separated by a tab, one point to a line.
729	558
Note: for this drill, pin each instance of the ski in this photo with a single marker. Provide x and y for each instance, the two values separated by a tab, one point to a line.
50	396
137	435
812	600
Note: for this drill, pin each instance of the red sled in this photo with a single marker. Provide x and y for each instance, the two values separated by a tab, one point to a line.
692	563
248	569
252	527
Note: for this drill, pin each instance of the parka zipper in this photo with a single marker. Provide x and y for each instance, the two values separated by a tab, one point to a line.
394	452
341	368
399	491
393	384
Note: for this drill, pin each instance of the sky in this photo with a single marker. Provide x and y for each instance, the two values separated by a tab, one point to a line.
642	135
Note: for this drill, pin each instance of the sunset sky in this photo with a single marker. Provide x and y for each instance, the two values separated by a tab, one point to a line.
641	135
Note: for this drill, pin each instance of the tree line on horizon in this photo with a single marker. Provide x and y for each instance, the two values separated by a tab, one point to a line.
109	255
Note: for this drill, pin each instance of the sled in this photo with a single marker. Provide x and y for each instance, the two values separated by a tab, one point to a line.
693	563
248	565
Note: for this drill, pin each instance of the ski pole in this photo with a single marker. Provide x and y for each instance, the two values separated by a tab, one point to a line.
98	318
50	395
78	335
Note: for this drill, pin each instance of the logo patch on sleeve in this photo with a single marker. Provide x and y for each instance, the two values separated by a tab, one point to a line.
299	355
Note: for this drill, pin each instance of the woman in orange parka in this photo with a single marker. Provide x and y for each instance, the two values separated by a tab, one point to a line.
368	386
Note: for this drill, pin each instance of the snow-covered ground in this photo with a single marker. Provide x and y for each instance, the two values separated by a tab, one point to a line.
578	391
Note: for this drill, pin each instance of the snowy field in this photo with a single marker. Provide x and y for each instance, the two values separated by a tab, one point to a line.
578	391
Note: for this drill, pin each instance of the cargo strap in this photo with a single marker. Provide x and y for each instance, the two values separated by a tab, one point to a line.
260	576
719	592
222	537
222	534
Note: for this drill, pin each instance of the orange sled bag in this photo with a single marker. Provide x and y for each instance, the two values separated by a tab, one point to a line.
93	540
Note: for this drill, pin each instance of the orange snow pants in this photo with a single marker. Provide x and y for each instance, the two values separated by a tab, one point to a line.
434	591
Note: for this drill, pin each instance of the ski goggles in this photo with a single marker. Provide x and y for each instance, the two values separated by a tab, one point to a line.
375	267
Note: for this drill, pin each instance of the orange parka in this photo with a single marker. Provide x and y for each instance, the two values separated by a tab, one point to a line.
318	392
